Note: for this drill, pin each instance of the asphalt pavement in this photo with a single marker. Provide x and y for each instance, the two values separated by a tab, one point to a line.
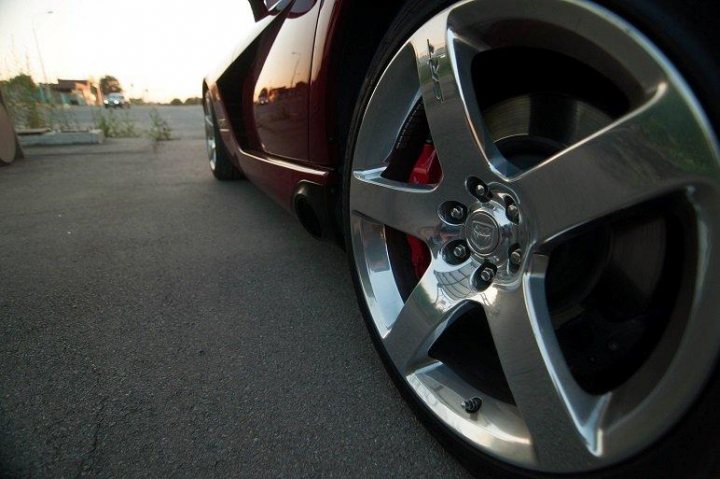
155	322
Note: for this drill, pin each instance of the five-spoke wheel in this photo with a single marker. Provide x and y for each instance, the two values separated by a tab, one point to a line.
548	295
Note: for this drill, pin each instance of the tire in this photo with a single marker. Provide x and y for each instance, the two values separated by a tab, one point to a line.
219	159
682	442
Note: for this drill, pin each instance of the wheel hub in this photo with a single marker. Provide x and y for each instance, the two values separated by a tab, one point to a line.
482	233
493	235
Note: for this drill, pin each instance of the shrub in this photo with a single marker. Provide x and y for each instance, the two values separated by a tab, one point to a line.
116	125
22	101
176	102
159	128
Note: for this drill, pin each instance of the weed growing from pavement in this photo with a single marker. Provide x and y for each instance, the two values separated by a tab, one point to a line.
159	128
116	125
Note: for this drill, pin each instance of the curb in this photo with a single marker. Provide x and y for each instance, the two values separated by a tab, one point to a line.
92	137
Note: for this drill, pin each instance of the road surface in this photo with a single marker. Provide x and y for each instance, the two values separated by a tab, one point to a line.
155	322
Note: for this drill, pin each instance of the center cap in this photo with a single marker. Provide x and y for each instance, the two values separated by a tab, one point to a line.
482	232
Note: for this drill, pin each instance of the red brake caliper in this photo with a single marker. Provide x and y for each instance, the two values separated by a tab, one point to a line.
425	172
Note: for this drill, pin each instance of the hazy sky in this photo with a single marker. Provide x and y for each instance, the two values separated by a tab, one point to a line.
163	46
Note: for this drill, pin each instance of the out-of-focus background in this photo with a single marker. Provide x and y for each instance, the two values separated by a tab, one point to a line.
68	66
159	50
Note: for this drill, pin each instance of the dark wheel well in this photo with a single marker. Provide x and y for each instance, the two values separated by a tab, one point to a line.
359	36
204	92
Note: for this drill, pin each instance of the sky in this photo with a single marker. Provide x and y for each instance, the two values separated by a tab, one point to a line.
157	49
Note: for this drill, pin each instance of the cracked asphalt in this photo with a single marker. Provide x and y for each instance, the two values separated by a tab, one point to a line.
155	322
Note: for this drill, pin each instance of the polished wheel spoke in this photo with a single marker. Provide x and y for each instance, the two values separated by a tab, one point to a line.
562	419
642	156
210	139
412	209
443	63
431	306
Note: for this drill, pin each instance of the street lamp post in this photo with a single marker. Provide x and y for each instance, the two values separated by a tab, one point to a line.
37	46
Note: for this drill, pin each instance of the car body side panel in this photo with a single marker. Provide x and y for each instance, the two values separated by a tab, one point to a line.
264	164
280	94
277	177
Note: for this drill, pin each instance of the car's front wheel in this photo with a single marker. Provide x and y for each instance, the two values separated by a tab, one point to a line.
532	206
218	157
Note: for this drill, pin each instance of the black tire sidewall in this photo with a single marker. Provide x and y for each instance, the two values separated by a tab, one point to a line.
688	449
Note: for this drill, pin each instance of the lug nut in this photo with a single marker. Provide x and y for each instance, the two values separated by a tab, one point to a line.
480	190
472	405
513	212
460	251
487	274
516	256
457	213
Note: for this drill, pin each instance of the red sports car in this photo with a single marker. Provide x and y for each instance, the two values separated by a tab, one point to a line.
529	195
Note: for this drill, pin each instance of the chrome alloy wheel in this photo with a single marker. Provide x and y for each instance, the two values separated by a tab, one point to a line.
493	220
210	141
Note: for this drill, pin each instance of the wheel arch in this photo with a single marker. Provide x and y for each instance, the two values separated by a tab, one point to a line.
358	35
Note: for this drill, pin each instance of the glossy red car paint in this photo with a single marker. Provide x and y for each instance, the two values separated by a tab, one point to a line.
280	161
284	96
321	86
277	177
280	92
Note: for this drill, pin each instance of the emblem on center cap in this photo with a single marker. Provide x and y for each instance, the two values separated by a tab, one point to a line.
482	233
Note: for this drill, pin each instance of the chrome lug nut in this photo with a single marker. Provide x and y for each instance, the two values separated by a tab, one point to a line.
457	213
477	188
487	274
472	405
516	256
460	251
513	212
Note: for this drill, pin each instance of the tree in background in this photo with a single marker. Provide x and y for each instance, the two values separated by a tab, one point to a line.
109	84
193	100
176	102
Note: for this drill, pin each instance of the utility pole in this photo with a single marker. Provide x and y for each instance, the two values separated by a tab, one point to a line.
37	46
